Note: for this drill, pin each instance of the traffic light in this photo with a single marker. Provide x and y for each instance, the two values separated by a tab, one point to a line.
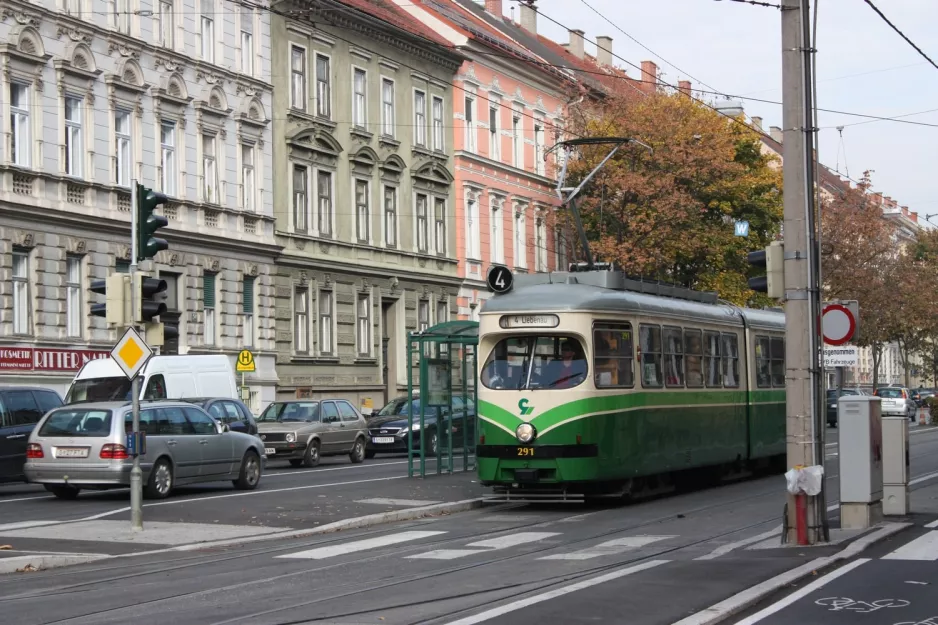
116	289
148	223
772	259
147	303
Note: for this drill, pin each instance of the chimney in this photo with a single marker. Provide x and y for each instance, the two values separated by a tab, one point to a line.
576	43
776	133
494	7
757	123
684	87
649	75
604	50
528	16
878	196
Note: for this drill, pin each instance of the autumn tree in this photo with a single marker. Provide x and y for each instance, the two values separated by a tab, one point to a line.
668	212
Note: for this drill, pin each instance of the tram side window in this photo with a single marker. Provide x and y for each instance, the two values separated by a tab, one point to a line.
712	359
763	362
730	360
692	358
778	361
674	361
650	342
612	355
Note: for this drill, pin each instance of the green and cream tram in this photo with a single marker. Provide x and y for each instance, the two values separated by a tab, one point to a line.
594	384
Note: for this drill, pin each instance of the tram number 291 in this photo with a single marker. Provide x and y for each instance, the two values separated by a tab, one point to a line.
526	451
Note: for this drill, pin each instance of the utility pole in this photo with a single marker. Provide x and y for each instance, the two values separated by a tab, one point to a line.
136	473
804	424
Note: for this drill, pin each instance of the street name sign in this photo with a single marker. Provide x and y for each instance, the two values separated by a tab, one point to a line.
131	353
841	356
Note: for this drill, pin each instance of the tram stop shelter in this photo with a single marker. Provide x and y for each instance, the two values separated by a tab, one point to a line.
443	400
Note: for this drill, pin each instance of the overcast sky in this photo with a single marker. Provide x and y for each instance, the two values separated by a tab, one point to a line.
863	66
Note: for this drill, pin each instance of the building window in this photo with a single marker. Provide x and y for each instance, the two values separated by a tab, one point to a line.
470	138
438	124
73	293
325	322
122	148
122	266
247	41
73	7
364	325
301	321
420	118
516	142
540	245
164	26
300	197
498	233
390	216
19	124
247	177
324	190
122	13
440	226
298	76
473	243
520	251
209	170
207	32
422	225
560	247
168	157
539	148
423	316
442	311
495	152
361	210
323	91
247	311
208	301
73	149
387	107
359	98
21	293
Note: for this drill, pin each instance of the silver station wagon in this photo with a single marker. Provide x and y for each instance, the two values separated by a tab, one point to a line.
304	430
85	446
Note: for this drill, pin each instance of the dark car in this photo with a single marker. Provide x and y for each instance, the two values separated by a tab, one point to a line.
832	397
21	408
232	412
388	430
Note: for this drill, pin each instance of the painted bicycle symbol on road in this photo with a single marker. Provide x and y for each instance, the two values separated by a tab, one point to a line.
932	620
838	604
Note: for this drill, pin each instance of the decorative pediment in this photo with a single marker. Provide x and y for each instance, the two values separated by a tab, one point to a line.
173	88
252	112
28	48
130	77
435	172
394	163
314	139
365	156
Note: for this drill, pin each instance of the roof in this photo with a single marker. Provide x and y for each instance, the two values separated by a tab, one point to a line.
388	11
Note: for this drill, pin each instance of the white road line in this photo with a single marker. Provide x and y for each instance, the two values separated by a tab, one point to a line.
807	590
484	546
381	501
725	549
446	554
553	594
923	478
924	547
360	545
27	498
608	548
932	525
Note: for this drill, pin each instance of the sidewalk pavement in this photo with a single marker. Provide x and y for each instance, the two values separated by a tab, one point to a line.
33	545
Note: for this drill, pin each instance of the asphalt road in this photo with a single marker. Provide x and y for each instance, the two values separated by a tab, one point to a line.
650	563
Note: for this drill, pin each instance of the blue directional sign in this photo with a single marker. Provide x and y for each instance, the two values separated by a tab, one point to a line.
741	228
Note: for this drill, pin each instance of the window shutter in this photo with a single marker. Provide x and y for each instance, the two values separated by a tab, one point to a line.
208	290
248	297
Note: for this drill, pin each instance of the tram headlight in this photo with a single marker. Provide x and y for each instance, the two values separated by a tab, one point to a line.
526	433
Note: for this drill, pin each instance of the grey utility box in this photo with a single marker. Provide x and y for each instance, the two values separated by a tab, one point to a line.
895	466
861	461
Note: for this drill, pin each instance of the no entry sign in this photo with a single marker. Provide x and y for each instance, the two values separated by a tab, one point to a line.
838	324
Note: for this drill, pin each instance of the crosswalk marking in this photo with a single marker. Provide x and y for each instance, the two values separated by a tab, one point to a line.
484	546
360	545
932	525
922	548
608	548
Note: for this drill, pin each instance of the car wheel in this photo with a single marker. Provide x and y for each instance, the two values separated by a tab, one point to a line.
160	483
311	457
358	451
250	472
431	442
296	463
369	453
63	492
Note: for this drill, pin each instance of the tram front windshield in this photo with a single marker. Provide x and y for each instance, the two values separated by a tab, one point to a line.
532	362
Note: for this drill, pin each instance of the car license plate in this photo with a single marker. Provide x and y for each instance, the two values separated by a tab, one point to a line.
71	452
270	451
382	440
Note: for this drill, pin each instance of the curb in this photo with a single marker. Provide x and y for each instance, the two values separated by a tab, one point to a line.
48	561
745	599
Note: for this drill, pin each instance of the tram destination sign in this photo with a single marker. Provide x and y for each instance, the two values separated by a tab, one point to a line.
529	321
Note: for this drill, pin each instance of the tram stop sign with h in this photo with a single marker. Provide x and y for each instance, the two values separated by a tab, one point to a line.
840	322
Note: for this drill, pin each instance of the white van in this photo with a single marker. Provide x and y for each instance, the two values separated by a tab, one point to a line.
163	377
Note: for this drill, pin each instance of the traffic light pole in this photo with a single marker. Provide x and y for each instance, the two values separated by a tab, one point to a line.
802	380
136	474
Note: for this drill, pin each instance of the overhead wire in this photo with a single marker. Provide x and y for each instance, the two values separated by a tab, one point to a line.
901	34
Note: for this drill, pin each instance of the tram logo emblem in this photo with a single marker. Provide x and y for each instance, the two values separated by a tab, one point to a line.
524	409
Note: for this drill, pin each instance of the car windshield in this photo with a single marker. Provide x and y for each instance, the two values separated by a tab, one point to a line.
302	411
394	407
99	389
77	423
535	362
890	393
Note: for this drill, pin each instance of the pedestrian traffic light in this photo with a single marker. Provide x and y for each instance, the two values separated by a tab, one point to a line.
116	289
148	223
772	259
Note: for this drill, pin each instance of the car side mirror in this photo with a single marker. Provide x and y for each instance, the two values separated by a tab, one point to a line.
222	428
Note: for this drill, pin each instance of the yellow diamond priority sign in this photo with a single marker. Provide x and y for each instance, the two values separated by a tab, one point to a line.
131	353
